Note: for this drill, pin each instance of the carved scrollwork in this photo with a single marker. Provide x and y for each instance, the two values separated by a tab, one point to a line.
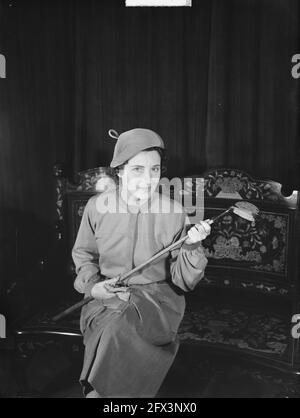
96	179
91	181
238	184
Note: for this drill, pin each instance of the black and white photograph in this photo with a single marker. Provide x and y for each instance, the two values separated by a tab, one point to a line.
149	201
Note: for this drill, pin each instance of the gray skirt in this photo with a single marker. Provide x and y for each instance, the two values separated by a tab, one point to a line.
130	346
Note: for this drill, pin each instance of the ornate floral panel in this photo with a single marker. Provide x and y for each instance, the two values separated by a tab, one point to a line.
260	246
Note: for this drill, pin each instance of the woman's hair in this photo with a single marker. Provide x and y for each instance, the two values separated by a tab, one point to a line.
162	153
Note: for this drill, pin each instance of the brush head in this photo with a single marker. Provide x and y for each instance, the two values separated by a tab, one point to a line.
248	207
246	210
244	214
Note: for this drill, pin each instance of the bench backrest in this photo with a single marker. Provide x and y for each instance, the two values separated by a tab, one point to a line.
260	256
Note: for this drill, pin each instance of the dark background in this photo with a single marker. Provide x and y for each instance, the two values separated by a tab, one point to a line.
214	80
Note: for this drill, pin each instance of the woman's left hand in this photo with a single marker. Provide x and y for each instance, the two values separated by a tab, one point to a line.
198	232
122	292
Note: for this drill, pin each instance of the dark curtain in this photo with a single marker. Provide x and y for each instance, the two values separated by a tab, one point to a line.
142	68
214	80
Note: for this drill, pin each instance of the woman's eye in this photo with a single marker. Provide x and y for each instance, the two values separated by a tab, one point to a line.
156	169
138	169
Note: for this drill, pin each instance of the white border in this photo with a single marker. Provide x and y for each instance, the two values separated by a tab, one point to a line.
158	3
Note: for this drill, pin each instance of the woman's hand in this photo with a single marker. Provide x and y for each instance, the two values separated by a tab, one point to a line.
83	278
198	232
106	290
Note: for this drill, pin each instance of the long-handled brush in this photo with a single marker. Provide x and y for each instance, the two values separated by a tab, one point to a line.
243	209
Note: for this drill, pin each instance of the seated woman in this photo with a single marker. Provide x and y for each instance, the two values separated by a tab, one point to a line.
130	332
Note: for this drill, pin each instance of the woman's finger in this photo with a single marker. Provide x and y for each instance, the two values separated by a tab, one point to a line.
112	281
207	227
112	289
203	226
193	234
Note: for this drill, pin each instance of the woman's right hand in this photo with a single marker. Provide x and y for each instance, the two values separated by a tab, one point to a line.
105	290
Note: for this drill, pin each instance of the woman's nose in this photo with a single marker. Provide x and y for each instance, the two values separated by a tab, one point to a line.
147	177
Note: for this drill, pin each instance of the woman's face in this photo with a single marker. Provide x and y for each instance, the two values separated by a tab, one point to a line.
141	175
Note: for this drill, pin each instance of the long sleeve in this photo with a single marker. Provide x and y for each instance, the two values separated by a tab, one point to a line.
187	263
85	253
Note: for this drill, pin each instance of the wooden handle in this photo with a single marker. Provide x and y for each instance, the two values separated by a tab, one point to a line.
150	260
72	308
123	277
129	273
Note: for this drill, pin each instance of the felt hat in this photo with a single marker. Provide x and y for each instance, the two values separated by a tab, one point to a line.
132	142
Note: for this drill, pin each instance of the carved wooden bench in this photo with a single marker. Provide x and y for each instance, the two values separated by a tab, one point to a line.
250	292
245	302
